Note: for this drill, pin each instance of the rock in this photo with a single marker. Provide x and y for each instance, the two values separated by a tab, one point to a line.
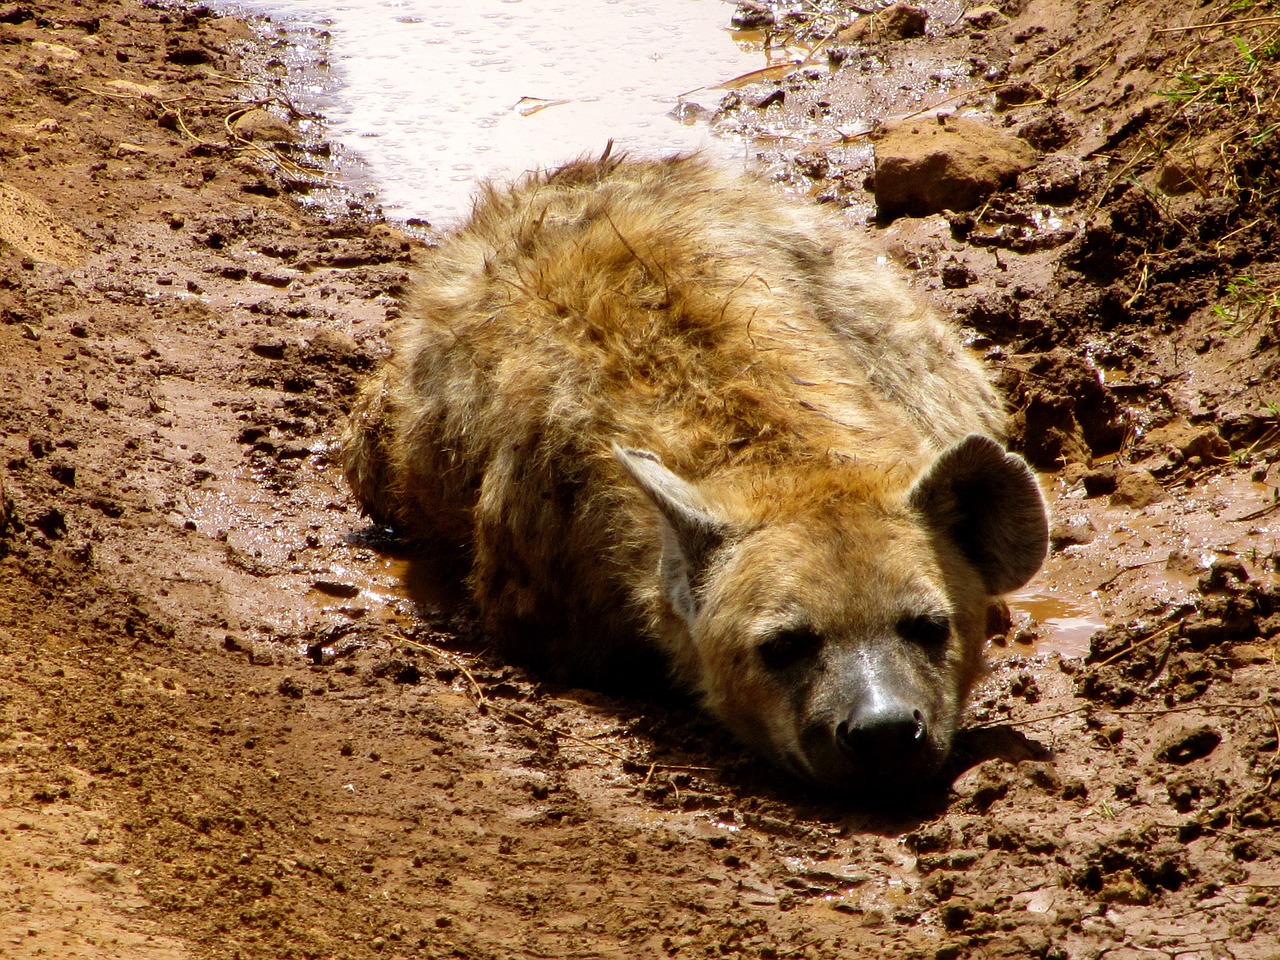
144	91
293	450
901	21
956	276
1100	481
1184	441
337	588
290	687
775	99
55	51
984	18
31	227
1223	574
925	166
1047	129
752	16
1041	774
1066	531
1124	889
1138	489
261	126
333	345
981	786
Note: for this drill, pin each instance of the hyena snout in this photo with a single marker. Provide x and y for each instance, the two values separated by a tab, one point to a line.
872	723
884	732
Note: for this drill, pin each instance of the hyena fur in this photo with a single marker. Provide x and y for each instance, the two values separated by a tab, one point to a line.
664	408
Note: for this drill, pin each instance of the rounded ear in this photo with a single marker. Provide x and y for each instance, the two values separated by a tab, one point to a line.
988	503
691	531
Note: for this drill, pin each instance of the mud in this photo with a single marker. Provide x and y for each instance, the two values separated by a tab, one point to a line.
229	727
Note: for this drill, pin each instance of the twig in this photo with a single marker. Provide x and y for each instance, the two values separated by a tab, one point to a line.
1160	712
1219	23
1023	723
1264	511
1129	569
1145	640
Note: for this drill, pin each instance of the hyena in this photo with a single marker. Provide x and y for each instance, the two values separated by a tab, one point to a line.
665	409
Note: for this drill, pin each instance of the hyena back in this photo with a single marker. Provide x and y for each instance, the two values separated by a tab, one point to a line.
665	409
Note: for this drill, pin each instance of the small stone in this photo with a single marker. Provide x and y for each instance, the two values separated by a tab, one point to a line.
335	588
290	687
1069	531
984	18
1099	481
1137	490
259	125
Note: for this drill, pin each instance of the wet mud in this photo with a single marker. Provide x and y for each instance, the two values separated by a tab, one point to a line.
230	725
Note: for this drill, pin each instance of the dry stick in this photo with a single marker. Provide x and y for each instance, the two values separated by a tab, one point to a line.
802	947
1129	569
1272	508
185	129
1219	23
1161	663
1275	763
1162	711
1138	643
290	167
1025	723
1225	237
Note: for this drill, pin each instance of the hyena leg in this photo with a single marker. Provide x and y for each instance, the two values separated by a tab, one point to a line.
366	452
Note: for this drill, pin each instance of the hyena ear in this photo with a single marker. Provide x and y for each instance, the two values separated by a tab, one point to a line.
691	531
987	501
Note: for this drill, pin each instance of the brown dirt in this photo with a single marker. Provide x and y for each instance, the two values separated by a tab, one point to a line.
228	729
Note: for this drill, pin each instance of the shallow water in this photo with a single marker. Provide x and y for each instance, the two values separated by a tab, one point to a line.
1065	622
424	97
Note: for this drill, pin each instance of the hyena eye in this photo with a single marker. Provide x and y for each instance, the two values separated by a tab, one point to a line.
789	647
925	629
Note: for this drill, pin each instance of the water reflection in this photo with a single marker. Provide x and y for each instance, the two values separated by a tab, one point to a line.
427	96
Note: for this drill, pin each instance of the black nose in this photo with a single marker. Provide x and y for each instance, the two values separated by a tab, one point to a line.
894	732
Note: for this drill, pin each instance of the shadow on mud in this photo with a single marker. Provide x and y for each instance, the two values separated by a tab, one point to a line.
681	759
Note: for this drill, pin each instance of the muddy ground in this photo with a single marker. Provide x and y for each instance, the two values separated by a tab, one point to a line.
228	728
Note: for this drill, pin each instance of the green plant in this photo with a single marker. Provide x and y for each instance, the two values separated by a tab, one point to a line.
1226	101
1250	301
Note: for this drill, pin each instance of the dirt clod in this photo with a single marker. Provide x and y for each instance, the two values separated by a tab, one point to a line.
924	167
1185	746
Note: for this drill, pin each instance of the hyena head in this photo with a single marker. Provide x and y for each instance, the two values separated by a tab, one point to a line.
840	634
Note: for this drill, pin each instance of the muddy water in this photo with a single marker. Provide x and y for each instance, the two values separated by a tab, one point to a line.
425	97
1063	622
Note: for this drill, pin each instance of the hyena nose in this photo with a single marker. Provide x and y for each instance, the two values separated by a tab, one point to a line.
890	731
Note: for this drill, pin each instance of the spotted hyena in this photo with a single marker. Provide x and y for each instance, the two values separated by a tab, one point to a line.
665	409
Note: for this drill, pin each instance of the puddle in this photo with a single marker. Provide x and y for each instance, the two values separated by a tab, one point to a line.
1064	625
424	98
